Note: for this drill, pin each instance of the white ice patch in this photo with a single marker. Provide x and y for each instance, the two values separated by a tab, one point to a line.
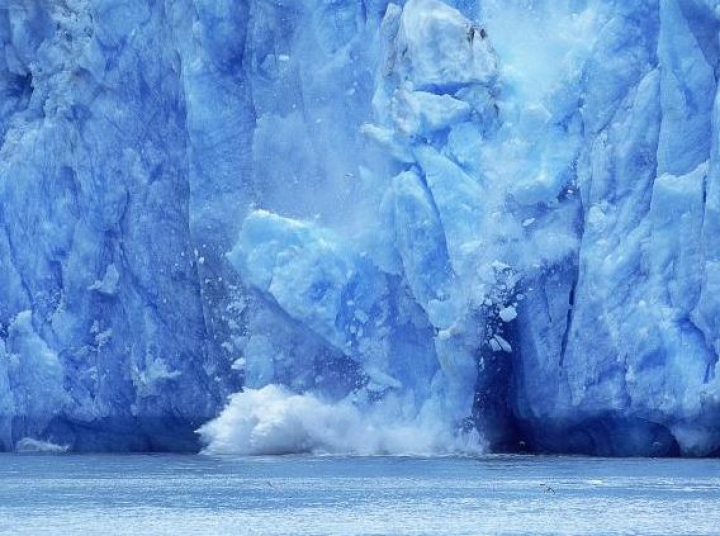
273	420
109	284
498	343
440	49
508	314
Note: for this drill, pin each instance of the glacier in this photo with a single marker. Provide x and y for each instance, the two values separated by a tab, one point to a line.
360	226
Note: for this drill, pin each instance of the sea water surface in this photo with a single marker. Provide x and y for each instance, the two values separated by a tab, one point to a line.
303	495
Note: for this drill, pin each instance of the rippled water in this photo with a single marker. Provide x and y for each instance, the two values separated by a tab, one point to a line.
183	495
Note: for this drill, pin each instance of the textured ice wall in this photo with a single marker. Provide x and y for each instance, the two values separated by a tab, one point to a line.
632	367
488	214
560	172
104	344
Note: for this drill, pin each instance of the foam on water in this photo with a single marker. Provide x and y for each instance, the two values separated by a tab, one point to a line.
273	420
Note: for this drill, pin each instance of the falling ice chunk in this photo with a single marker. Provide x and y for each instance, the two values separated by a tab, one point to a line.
502	343
508	314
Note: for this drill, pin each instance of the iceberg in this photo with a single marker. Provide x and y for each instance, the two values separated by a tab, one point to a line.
423	226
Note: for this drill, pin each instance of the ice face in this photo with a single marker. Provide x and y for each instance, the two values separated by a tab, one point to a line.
635	362
105	344
495	221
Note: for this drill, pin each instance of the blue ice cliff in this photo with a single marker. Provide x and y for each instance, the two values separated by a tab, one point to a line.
360	226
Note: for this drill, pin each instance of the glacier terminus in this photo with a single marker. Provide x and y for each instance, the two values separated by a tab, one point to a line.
360	226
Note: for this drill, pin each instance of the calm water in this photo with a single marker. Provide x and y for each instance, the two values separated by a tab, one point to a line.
195	495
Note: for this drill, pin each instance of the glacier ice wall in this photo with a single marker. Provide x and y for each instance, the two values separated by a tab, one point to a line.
417	226
104	340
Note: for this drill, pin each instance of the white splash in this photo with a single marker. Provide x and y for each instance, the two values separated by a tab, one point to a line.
31	445
273	420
